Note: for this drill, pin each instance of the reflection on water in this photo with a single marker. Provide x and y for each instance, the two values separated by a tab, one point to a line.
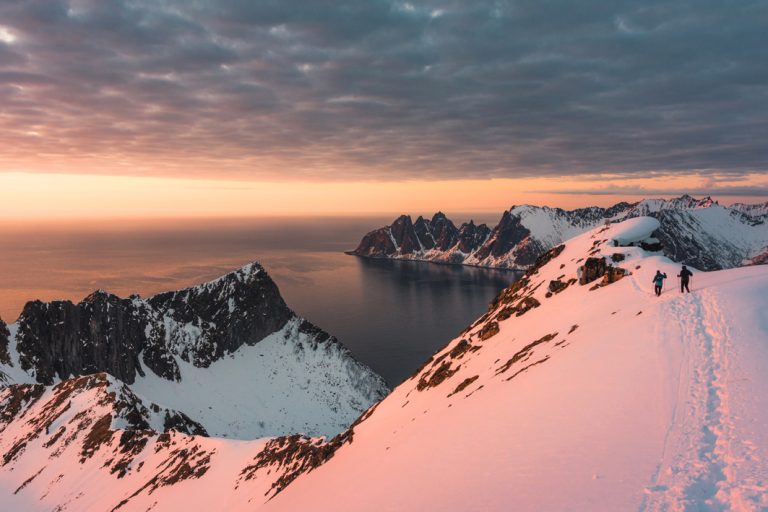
393	315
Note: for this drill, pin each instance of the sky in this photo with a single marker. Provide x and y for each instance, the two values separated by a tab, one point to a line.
232	107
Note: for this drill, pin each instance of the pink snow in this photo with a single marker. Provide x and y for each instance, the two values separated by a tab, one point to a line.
650	404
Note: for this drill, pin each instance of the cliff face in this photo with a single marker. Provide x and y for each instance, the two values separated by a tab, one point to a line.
229	353
438	239
698	232
5	358
104	333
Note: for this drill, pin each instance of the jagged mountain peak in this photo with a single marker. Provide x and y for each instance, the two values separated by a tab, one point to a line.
99	296
180	347
689	226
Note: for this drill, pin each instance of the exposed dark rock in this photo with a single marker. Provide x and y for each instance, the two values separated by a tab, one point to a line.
190	462
519	309
106	333
617	256
545	258
524	353
443	372
592	269
489	330
613	274
464	384
471	237
423	231
293	455
5	357
376	244
15	398
504	237
444	231
651	245
404	238
100	434
241	308
405	235
527	367
556	286
101	333
460	349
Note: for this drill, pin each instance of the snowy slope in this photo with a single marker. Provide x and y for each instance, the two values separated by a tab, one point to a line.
758	210
228	353
699	232
287	383
75	446
564	396
598	397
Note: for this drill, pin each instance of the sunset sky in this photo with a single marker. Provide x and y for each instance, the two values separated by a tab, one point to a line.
239	107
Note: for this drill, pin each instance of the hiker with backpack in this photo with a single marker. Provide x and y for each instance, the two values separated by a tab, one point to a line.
685	276
658	281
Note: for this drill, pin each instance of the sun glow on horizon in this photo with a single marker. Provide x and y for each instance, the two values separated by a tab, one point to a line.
70	196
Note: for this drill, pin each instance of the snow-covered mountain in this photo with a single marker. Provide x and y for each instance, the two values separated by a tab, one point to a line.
698	232
228	353
758	210
579	389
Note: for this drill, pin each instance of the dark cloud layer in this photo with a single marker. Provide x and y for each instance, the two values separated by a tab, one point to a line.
384	89
648	192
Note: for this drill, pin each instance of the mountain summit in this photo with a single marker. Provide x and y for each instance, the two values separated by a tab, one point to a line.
698	232
229	353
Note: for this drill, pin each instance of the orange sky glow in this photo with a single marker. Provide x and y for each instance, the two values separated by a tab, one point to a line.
73	196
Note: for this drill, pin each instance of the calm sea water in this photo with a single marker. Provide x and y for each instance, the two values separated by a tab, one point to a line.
392	315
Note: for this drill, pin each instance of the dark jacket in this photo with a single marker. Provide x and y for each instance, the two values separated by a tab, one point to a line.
684	275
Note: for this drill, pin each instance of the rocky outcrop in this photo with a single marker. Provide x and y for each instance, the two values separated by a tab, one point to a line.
698	232
205	322
101	333
504	237
105	333
5	357
592	269
437	239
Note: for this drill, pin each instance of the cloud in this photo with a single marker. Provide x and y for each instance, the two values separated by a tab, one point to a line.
733	191
276	89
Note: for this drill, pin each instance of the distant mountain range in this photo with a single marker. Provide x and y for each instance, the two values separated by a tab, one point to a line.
697	232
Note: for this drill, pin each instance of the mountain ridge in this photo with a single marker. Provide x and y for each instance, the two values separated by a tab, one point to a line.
199	350
524	232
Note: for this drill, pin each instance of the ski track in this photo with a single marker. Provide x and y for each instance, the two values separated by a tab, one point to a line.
698	466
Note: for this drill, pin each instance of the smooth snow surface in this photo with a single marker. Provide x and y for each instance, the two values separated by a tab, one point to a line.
281	385
649	404
636	230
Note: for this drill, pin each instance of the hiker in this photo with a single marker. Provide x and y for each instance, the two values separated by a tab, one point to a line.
684	276
658	281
